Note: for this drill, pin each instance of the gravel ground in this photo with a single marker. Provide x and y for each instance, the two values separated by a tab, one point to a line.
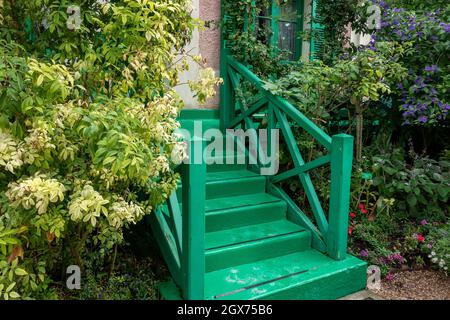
416	285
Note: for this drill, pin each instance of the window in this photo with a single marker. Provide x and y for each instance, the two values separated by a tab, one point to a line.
281	25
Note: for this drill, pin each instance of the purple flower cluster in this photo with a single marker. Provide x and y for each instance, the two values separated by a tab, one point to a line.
445	26
395	258
423	99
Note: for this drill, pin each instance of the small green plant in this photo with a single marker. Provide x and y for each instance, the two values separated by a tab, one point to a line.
421	188
438	247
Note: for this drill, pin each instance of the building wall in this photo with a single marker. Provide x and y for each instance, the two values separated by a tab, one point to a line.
207	43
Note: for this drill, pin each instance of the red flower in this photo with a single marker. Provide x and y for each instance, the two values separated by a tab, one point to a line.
352	215
362	208
420	238
350	230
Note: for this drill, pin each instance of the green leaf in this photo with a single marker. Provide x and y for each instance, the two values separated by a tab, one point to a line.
390	171
10	287
39	80
412	200
20	272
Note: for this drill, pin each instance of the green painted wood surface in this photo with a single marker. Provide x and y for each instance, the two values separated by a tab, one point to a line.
234	233
231	183
305	179
341	172
258	249
298	216
193	248
282	104
325	278
318	30
239	201
245	215
249	233
165	240
302	169
274	24
177	222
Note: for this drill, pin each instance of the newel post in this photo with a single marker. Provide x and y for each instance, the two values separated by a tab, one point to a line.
193	245
226	90
341	172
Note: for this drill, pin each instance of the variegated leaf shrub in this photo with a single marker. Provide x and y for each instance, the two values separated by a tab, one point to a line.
87	120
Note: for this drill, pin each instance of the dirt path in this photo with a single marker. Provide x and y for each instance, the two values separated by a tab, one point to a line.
416	285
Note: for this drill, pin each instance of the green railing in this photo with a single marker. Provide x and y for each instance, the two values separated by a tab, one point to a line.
180	225
329	231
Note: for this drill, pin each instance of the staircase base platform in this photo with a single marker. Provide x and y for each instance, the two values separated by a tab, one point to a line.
307	275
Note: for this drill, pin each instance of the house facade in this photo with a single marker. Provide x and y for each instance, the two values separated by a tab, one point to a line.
295	18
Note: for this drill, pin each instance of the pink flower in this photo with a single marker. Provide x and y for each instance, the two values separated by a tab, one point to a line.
389	277
352	215
350	230
420	238
362	208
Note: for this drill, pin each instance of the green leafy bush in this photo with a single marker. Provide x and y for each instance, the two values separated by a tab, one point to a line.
87	121
421	189
387	227
353	82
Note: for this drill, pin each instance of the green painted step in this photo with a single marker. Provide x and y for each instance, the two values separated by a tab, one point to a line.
199	114
302	275
239	201
252	243
219	164
254	232
231	183
205	125
245	215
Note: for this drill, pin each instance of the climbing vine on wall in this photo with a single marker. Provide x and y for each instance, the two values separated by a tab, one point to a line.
245	42
336	17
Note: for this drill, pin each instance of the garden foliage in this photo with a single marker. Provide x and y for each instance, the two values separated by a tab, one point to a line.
87	120
397	87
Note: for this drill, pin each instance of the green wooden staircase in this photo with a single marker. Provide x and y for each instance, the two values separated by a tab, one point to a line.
229	232
245	242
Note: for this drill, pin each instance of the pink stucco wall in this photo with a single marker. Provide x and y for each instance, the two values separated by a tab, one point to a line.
210	40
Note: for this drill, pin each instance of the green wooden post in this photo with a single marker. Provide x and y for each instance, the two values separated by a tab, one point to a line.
193	247
226	91
341	171
275	24
253	13
299	29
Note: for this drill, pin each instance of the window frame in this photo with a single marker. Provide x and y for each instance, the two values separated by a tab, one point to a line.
275	19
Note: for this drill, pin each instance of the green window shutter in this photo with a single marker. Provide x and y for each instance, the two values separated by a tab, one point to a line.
284	23
317	36
290	26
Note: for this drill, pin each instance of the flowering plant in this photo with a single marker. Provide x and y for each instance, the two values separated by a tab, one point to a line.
424	96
